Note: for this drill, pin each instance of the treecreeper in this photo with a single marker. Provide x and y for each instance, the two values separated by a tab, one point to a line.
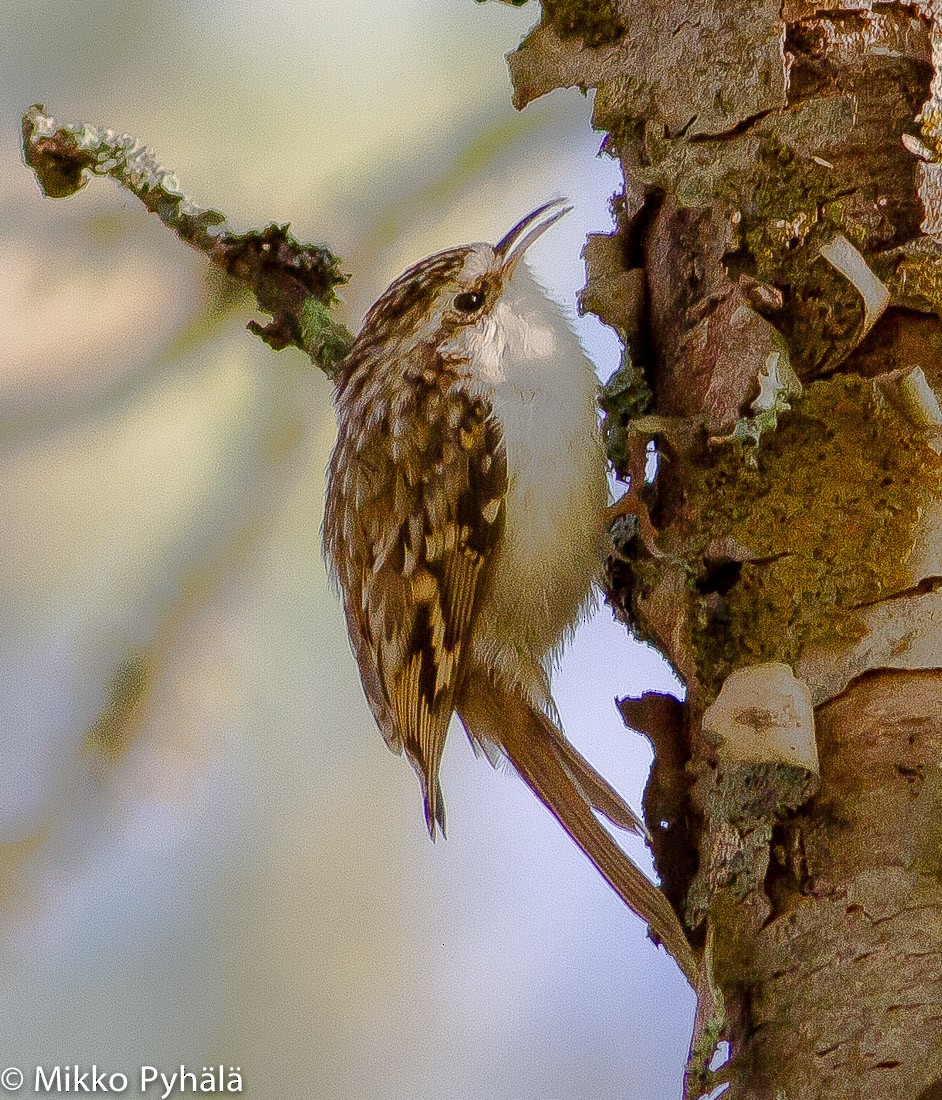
464	525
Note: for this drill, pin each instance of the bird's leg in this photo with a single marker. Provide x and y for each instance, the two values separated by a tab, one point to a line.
631	502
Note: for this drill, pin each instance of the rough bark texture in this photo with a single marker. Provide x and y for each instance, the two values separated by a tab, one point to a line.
775	277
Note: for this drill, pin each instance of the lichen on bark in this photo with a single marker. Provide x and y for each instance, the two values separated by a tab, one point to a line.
823	513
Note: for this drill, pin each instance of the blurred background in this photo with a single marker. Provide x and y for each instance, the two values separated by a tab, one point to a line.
207	854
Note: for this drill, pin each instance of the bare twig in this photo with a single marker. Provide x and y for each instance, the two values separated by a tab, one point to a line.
292	282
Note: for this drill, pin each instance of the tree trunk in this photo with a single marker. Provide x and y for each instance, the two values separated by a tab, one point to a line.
777	283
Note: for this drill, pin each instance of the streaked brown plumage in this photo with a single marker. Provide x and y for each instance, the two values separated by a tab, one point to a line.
464	521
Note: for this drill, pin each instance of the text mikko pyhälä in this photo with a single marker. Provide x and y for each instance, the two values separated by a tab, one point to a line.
91	1079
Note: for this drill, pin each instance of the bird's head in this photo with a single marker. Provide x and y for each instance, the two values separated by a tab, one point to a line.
448	300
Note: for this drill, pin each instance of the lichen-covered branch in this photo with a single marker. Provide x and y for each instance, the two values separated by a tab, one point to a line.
292	282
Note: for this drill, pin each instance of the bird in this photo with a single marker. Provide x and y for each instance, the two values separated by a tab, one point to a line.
464	527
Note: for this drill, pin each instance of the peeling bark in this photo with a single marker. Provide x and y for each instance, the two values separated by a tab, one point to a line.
776	279
839	991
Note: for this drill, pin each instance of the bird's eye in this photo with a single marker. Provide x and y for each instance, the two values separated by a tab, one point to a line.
469	301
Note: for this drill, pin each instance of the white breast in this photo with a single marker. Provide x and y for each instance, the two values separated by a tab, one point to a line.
542	388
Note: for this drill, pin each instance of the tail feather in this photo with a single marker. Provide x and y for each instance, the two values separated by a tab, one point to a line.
595	789
434	805
536	749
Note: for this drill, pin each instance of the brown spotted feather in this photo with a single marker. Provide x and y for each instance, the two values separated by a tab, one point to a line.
410	545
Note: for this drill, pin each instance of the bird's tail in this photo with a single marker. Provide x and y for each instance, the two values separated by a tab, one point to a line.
568	786
598	792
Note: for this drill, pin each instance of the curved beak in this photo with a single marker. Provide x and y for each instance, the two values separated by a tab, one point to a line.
511	247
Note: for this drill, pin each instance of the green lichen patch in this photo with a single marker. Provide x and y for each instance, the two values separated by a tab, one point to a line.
931	129
822	320
916	279
596	24
623	397
748	793
788	206
326	341
784	199
827	507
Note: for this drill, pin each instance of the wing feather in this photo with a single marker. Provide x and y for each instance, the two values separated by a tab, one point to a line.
415	513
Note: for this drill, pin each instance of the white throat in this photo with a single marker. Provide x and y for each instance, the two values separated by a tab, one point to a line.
524	341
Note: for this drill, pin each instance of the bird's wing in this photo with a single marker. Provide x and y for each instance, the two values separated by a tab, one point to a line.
410	535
